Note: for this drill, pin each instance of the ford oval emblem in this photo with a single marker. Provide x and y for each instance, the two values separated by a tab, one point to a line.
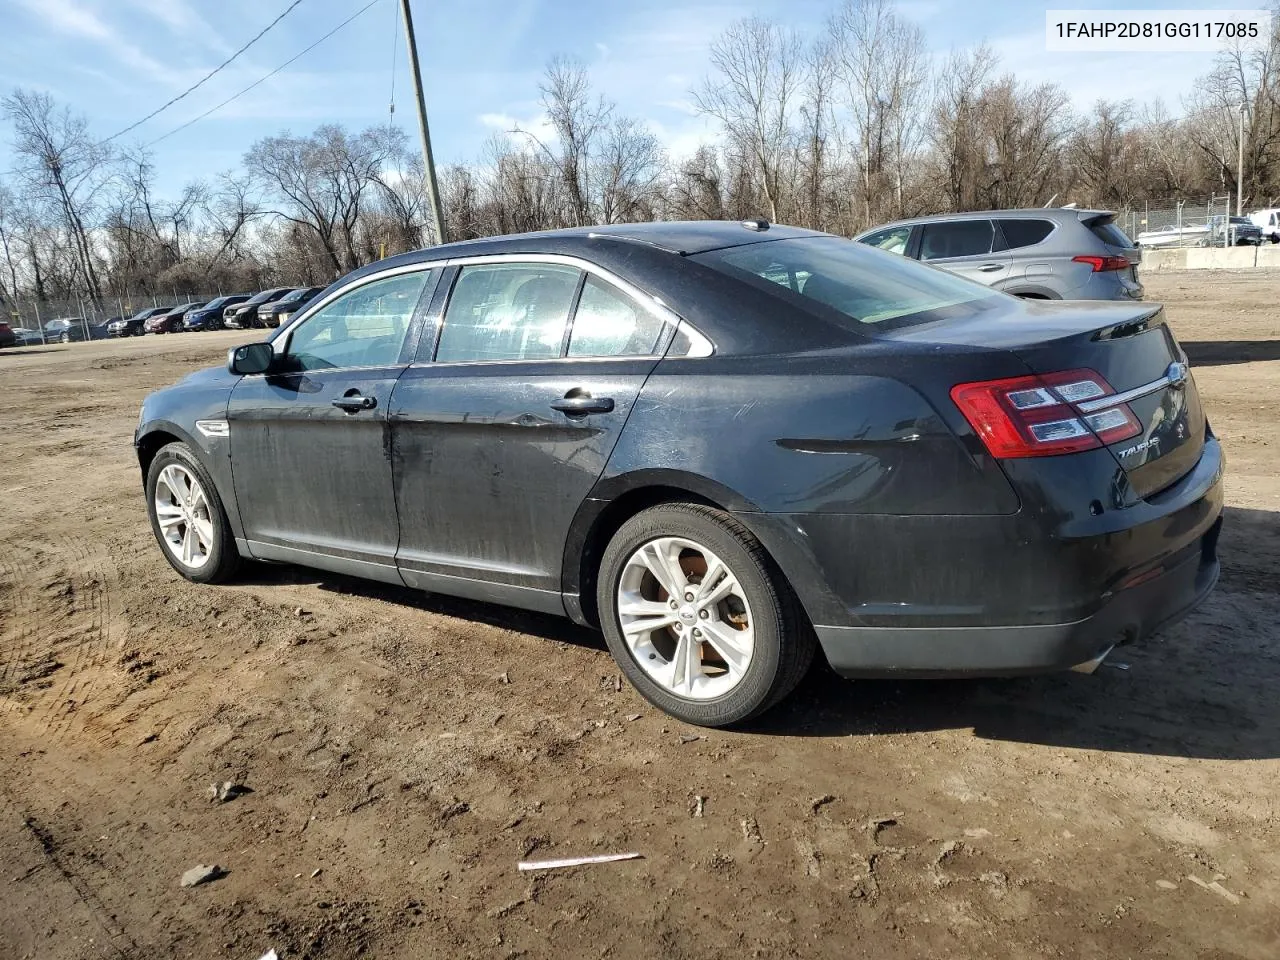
1177	375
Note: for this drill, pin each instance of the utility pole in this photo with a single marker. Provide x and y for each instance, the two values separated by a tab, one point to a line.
1239	164
433	191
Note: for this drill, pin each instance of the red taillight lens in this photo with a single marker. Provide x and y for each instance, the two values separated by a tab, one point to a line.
1102	264
1037	416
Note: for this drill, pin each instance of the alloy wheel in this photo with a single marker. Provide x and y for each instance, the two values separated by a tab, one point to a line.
685	618
182	511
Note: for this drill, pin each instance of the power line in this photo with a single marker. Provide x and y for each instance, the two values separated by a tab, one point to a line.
264	78
206	76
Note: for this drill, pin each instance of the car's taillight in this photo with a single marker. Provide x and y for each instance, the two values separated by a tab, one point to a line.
1102	264
1037	416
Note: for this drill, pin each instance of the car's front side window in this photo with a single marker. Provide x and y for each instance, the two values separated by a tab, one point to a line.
364	328
507	311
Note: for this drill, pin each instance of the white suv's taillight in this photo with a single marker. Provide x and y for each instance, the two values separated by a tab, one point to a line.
1037	417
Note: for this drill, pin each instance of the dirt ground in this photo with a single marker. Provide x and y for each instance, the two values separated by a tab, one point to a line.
405	751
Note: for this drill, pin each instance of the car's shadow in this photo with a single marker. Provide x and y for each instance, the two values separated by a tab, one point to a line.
1205	688
1215	353
535	624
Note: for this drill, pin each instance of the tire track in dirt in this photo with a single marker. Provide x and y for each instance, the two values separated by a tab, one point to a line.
56	634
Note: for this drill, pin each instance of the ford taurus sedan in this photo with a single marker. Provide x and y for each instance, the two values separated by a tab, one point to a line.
726	445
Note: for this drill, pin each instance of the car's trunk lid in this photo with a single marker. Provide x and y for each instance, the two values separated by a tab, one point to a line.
1134	351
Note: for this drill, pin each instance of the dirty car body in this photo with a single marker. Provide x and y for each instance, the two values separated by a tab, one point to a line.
948	480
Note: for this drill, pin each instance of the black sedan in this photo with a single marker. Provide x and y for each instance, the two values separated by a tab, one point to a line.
725	445
134	326
246	314
274	314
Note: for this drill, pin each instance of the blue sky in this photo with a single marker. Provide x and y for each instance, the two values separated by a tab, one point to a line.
117	60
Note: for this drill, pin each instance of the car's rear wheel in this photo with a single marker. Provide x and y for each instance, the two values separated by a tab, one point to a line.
699	617
66	338
187	516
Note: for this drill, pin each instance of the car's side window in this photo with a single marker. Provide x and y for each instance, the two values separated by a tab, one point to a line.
608	323
507	311
1025	233
363	328
894	240
956	238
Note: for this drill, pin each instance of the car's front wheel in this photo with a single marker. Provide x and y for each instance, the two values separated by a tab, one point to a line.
187	516
699	617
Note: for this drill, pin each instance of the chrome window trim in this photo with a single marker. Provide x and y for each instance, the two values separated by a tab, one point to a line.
701	344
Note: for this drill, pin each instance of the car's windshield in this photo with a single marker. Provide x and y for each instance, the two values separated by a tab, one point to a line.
864	284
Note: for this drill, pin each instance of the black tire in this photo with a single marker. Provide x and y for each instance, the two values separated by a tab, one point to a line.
66	338
224	560
784	642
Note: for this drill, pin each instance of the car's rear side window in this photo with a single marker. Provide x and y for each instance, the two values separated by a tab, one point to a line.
507	311
957	238
1025	233
866	285
608	323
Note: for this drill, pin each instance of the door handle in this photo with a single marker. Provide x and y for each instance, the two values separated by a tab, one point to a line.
581	405
988	267
355	403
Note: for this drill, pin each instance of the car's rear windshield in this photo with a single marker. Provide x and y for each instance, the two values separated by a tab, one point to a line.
1108	232
866	285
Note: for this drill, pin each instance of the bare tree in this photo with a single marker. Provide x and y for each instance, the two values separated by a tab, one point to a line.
631	162
61	164
883	65
817	124
320	182
756	75
578	117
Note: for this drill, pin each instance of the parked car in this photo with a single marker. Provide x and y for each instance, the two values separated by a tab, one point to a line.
1268	221
68	330
135	326
246	314
7	337
209	317
1242	232
26	337
171	320
721	443
1040	254
275	314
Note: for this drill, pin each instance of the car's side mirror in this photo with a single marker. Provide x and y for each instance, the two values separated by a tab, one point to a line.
250	358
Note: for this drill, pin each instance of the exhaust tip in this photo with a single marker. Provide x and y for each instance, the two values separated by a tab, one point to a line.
1090	666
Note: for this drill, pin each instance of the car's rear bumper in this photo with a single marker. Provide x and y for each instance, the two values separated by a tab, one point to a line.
1130	614
1049	586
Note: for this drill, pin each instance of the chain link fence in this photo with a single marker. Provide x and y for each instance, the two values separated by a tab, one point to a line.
1203	222
32	318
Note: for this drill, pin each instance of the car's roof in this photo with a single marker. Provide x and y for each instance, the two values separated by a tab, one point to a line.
683	237
1061	214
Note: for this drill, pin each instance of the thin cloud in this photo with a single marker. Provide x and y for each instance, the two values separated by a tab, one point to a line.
68	17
